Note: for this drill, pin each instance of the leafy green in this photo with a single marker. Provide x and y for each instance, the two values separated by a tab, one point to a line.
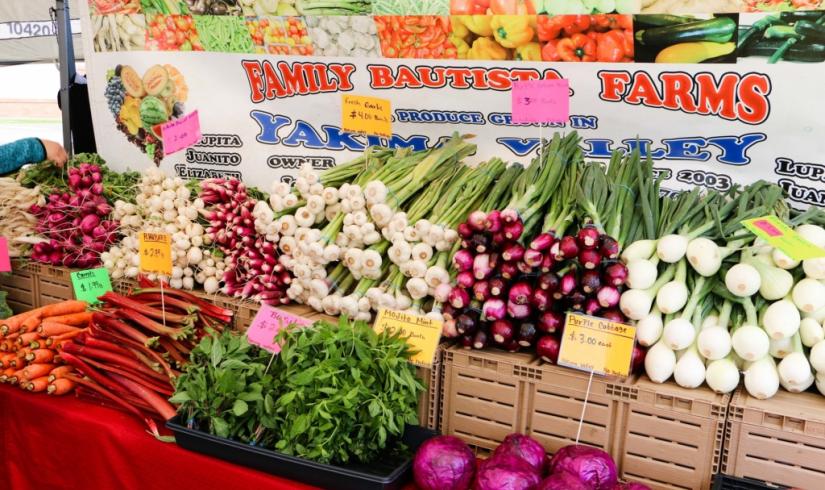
222	386
334	394
345	392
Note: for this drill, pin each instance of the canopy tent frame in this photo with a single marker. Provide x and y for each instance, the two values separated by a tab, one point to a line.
66	64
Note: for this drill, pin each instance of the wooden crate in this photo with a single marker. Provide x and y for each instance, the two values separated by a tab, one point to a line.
779	441
672	437
20	286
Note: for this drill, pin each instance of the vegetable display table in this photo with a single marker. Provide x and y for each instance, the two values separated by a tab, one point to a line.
66	443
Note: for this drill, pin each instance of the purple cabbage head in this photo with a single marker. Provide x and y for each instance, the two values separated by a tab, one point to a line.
444	463
563	480
506	472
526	448
631	486
592	466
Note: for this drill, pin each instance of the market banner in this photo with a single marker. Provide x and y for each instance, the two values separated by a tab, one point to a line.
28	33
715	97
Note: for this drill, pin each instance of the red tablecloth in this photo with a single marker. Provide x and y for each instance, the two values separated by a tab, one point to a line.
65	443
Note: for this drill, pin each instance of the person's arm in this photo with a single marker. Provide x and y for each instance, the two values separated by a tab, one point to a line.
18	153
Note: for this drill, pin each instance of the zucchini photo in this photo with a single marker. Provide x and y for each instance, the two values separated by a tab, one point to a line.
796	37
698	38
689	6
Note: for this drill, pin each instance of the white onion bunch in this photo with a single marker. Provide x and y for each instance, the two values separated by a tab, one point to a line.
163	204
17	223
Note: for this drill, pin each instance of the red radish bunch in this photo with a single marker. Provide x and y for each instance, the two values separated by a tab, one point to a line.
253	268
515	296
76	224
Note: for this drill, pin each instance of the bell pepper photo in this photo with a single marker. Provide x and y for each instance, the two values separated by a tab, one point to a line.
420	36
604	38
494	7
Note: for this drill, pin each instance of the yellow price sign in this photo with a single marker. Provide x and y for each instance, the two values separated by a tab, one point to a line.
598	345
422	333
779	235
155	251
367	115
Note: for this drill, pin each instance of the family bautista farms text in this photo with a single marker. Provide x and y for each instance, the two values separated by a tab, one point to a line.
730	97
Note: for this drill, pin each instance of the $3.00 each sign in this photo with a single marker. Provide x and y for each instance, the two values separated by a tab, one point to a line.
597	345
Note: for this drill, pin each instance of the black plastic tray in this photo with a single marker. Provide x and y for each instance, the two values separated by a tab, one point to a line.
383	475
725	482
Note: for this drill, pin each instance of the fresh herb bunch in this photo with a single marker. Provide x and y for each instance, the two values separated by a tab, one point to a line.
345	391
52	179
335	393
224	386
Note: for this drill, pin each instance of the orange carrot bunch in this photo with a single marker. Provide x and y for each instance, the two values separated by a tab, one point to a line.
31	343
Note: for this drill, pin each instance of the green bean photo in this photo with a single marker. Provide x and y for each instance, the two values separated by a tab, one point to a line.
411	7
223	34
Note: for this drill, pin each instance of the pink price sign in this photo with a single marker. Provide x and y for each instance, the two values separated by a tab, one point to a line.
5	260
266	325
181	133
541	101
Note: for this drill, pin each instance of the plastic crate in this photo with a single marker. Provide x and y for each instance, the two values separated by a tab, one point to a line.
429	404
672	437
124	286
489	394
20	286
54	283
482	396
780	441
725	482
664	436
555	398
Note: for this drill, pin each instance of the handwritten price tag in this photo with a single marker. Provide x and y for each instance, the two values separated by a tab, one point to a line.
368	115
781	236
181	133
90	284
422	333
266	325
5	260
597	345
541	101
155	253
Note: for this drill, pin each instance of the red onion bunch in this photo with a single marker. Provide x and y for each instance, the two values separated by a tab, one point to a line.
76	223
515	296
253	269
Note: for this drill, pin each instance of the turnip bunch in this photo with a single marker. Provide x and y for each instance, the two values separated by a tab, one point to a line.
77	224
164	204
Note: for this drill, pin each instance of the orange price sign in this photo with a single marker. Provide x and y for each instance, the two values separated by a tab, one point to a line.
422	333
367	115
155	251
597	345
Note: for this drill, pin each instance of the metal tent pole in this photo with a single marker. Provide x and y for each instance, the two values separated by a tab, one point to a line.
67	67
